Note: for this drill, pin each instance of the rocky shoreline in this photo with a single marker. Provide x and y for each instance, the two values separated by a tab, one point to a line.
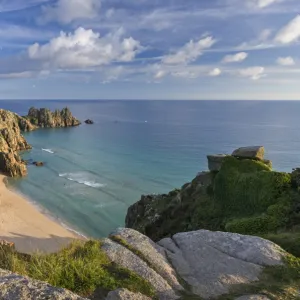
12	141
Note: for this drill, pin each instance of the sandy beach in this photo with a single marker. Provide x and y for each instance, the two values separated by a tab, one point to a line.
29	229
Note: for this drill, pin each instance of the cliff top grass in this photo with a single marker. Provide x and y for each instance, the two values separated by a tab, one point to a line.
82	268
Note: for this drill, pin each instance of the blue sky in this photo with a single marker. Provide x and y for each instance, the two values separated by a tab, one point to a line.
150	49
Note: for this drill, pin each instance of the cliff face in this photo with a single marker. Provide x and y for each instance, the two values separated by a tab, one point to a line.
241	194
45	118
12	141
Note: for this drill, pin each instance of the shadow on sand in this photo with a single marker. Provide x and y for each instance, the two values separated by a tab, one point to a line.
30	244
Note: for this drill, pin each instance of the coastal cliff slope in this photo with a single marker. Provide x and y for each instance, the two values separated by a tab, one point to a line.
46	118
12	141
240	193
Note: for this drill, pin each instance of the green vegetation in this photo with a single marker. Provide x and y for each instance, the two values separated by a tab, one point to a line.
81	267
245	197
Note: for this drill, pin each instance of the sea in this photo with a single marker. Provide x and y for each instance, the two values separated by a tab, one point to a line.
93	173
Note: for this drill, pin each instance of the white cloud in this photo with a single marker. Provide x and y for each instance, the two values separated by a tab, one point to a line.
290	33
189	52
285	61
261	3
254	73
160	74
215	72
238	57
66	11
26	74
84	48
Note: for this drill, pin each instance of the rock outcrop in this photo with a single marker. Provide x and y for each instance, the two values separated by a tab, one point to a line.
208	264
16	287
215	161
12	165
46	118
253	152
11	142
213	262
122	256
89	122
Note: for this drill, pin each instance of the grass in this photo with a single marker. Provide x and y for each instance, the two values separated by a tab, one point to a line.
81	267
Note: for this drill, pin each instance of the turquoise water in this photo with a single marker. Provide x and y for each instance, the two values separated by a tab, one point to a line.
92	173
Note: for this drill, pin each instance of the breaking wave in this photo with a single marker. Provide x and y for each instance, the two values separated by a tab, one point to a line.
82	179
48	150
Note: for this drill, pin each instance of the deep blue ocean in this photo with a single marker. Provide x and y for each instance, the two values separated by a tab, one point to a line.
92	173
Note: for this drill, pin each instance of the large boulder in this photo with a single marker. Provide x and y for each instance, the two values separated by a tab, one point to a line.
129	260
16	287
213	262
153	254
215	161
252	152
124	294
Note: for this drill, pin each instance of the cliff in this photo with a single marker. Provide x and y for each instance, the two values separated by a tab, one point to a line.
12	141
239	194
45	118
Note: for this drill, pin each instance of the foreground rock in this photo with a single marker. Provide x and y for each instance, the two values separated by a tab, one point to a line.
151	253
253	152
129	260
123	294
45	118
213	262
13	287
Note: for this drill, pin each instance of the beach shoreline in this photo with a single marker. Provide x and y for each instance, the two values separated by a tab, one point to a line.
28	228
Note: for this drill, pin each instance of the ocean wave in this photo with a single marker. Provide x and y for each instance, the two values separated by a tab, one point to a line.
81	179
48	150
73	231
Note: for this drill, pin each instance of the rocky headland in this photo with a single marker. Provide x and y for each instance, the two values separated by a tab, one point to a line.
230	234
12	141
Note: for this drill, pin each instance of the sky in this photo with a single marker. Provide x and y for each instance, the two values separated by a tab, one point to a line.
150	49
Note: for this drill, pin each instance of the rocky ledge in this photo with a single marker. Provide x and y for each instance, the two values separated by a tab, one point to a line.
47	119
192	265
